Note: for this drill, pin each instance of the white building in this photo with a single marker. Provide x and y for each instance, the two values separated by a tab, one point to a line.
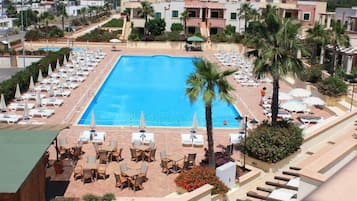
170	12
6	23
95	3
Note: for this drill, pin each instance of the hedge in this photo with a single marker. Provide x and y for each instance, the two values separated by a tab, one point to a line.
273	143
333	86
114	23
8	87
98	35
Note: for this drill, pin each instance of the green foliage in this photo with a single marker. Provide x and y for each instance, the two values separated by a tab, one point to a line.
11	11
115	22
156	26
105	197
273	143
136	34
8	87
333	86
43	33
333	4
98	35
199	176
313	74
176	27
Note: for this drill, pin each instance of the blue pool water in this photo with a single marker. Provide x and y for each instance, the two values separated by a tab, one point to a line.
156	86
55	49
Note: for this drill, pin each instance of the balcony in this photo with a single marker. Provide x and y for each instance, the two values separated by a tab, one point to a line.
194	22
216	22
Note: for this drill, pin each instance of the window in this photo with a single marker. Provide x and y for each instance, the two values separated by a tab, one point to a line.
288	15
191	14
306	17
191	30
158	15
233	16
175	13
214	14
213	31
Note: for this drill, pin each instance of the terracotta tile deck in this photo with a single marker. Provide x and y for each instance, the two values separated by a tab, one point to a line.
247	99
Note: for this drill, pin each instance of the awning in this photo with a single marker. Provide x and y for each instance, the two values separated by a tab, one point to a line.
195	39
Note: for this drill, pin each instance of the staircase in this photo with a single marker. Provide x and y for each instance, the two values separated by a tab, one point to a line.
126	30
204	30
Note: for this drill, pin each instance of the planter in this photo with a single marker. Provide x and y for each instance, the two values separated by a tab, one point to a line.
58	166
332	101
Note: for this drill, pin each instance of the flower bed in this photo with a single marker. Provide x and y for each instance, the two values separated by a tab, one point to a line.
199	176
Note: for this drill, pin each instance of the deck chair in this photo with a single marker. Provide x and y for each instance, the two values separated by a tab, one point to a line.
87	175
120	181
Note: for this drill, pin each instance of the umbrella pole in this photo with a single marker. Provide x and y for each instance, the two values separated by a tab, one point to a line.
56	149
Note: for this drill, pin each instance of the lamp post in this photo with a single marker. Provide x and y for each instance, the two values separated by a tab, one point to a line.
353	92
23	29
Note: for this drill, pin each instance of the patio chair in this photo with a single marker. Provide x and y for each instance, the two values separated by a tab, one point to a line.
191	160
182	165
77	152
137	182
135	155
150	154
117	155
102	171
78	172
167	166
96	148
120	181
136	143
87	175
103	157
62	141
144	170
113	144
152	145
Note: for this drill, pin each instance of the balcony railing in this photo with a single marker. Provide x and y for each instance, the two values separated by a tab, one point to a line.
216	22
194	22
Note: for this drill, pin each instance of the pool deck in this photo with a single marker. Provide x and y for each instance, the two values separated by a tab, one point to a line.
168	139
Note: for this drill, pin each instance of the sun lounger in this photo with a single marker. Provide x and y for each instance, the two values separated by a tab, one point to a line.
186	139
10	118
307	119
62	92
69	85
97	137
197	140
283	194
50	81
20	106
76	78
145	138
44	113
249	83
30	122
281	114
51	102
235	138
44	87
31	96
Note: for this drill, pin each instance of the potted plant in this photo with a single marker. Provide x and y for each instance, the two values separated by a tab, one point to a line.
58	165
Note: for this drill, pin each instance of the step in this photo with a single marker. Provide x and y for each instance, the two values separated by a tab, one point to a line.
347	105
336	110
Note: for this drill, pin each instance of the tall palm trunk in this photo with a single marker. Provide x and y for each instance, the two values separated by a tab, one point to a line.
275	101
334	60
63	22
313	54
211	156
185	27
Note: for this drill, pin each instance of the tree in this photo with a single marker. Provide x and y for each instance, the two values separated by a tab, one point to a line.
156	26
61	11
209	83
338	38
46	16
83	12
145	11
11	11
246	11
185	17
127	12
317	36
275	46
176	27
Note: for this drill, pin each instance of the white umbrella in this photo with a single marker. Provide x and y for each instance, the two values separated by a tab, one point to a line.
26	111
92	121
294	106
194	123
38	99
58	64
2	103
32	85
49	72
51	92
65	59
284	96
40	77
313	101
300	93
142	122
18	92
115	40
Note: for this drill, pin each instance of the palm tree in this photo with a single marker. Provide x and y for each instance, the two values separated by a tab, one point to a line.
46	16
317	36
275	46
83	11
90	11
145	11
246	11
127	12
338	38
185	17
206	80
61	11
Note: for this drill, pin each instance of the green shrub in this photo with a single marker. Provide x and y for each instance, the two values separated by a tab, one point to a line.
175	36
108	197
115	22
313	74
8	87
90	197
176	27
273	143
44	32
156	26
136	34
199	176
333	86
98	35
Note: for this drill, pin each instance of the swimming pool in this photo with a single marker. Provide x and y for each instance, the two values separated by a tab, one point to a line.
156	86
55	49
